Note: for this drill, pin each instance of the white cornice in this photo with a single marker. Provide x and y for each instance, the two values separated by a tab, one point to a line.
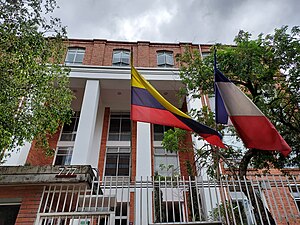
123	73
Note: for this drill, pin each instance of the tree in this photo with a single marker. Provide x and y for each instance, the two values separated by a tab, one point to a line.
267	70
34	94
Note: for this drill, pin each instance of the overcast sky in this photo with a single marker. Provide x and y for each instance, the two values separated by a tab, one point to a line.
197	21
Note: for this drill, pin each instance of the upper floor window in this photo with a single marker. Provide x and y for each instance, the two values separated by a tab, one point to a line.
165	59
121	57
119	127
63	155
159	131
117	161
166	163
75	56
69	130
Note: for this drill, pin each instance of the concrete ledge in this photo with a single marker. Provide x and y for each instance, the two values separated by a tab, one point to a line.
16	175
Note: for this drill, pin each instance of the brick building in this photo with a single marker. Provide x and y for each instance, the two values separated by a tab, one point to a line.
103	168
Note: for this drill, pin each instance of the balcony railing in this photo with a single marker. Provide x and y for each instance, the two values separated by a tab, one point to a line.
191	200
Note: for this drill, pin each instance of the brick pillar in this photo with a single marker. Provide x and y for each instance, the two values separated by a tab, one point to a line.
103	141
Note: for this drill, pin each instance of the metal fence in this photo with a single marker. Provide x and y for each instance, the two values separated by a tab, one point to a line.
173	200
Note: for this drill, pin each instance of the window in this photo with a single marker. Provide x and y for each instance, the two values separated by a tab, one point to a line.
165	59
75	56
63	155
121	213
241	203
121	57
159	131
8	214
205	54
119	127
69	130
295	191
66	141
117	161
165	163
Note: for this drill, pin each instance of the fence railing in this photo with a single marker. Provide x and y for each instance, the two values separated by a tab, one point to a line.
174	200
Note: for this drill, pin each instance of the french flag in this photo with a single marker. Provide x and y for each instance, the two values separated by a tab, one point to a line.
254	128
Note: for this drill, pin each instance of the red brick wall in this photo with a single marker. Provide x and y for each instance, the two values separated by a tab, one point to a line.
30	196
102	153
99	52
37	156
133	149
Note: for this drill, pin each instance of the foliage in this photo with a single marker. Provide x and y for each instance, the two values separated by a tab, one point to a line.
34	94
267	70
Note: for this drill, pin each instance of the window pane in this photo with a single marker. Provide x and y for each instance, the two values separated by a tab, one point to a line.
75	55
124	160
68	128
114	126
125	125
79	58
70	57
111	164
114	130
116	57
112	150
8	214
169	59
161	59
63	160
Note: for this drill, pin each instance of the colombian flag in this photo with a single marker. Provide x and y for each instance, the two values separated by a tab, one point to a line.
147	105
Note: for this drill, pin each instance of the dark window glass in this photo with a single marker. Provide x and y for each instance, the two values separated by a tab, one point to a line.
119	128
69	130
117	164
159	131
63	155
8	214
111	165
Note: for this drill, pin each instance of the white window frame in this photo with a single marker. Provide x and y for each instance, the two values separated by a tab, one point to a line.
118	152
65	144
119	115
167	58
119	61
77	51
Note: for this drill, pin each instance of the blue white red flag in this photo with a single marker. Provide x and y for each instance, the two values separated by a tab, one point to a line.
254	128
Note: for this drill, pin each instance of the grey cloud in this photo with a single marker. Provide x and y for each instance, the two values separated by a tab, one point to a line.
199	21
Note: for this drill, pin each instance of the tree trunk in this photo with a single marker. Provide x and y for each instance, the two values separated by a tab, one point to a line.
259	206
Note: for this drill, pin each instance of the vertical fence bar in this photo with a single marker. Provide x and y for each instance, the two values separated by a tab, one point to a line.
264	206
284	211
229	200
268	197
286	197
217	198
179	201
198	198
237	201
256	202
185	201
273	196
223	197
191	199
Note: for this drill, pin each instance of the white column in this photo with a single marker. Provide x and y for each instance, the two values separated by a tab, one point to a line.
18	158
195	103
143	169
87	122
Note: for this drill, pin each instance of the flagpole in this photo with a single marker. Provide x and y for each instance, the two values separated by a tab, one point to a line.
217	150
131	122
